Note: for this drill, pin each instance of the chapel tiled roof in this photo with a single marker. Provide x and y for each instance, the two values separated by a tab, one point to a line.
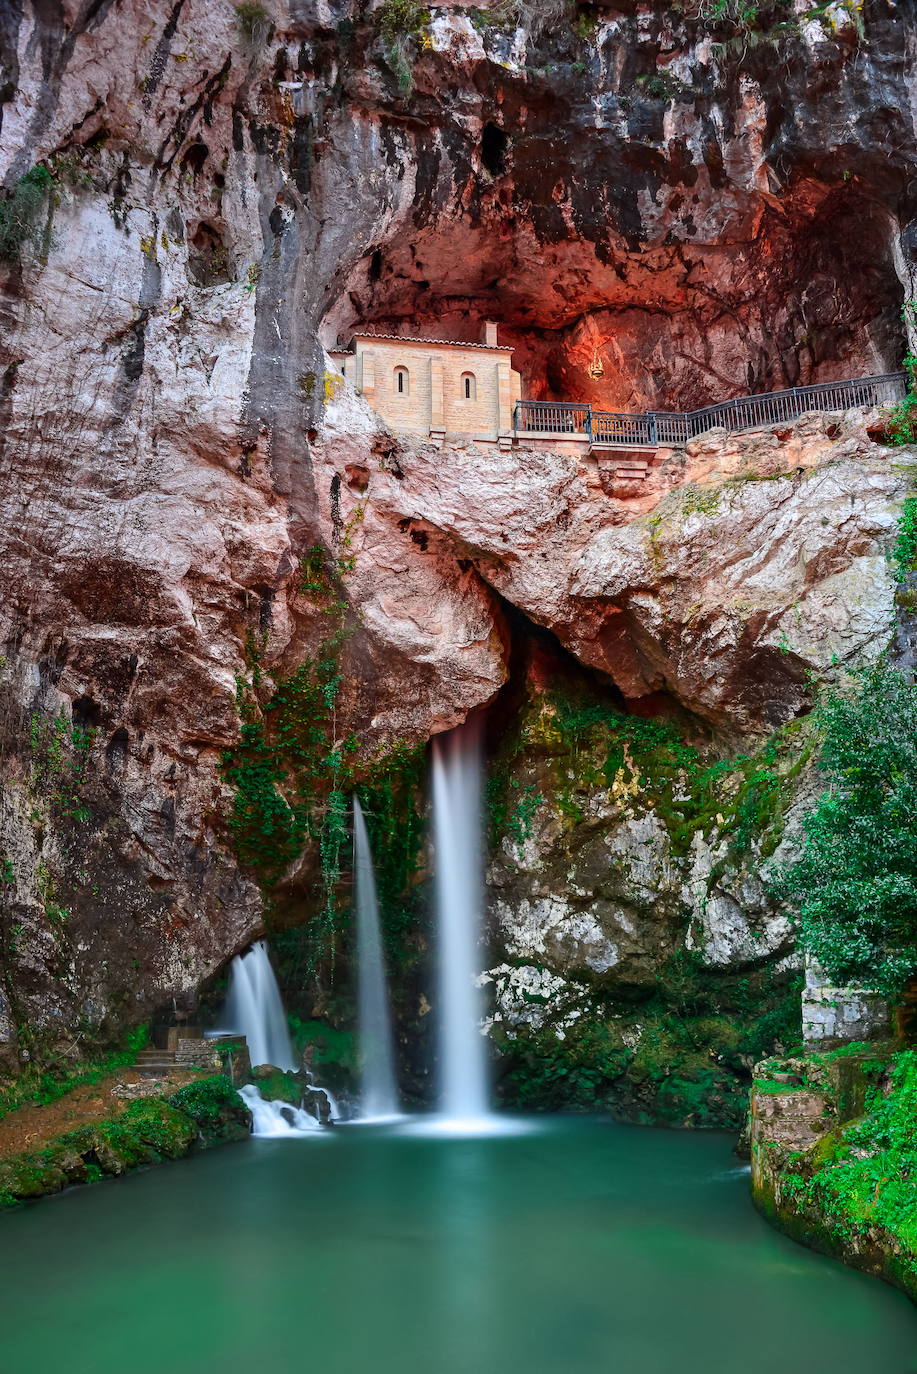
403	338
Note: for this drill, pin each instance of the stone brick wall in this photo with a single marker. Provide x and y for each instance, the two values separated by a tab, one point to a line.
835	1016
198	1054
435	396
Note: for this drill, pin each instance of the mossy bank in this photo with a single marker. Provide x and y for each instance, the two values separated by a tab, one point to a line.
834	1155
152	1129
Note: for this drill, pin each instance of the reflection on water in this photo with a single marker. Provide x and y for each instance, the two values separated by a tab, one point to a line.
576	1248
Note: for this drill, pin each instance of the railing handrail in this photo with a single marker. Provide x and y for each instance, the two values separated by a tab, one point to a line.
651	423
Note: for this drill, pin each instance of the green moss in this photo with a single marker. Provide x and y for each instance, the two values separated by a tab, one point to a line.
854	1192
170	1132
215	1107
647	766
276	1086
51	1077
682	1058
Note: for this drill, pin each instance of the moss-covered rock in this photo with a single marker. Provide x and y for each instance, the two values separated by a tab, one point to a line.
642	961
275	1085
170	1132
216	1109
114	1146
834	1155
674	1060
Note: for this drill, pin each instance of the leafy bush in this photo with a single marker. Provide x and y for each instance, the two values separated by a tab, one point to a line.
902	422
254	21
853	890
904	553
19	211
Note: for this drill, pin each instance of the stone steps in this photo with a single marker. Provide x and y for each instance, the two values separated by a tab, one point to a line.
152	1063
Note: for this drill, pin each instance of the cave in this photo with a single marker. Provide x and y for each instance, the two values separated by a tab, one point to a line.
813	297
208	260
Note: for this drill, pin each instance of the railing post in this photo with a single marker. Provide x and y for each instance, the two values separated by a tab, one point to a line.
588	425
516	409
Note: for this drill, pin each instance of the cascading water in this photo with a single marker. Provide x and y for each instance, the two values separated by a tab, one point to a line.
277	1118
459	896
379	1091
254	1009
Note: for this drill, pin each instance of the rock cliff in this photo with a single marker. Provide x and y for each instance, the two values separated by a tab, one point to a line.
198	198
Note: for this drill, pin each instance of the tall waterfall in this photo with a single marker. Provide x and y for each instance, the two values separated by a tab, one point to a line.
379	1092
459	897
254	1009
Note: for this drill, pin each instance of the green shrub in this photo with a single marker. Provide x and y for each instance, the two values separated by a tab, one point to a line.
402	24
19	211
902	422
254	21
904	553
853	889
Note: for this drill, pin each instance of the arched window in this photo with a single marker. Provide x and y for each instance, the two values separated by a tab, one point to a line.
402	381
469	387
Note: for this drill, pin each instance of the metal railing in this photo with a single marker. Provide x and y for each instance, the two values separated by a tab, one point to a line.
553	417
653	428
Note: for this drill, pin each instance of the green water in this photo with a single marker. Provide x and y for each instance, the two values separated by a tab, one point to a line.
582	1246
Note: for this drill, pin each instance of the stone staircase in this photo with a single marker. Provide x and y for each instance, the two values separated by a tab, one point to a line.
155	1063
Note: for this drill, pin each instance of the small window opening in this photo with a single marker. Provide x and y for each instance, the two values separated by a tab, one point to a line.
401	381
469	386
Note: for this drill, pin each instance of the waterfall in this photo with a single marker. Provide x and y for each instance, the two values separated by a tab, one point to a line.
459	897
276	1118
254	1009
379	1093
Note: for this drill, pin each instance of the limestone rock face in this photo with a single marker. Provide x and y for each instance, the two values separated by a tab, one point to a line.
744	566
194	203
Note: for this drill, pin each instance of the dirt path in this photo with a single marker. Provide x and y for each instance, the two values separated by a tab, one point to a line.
29	1128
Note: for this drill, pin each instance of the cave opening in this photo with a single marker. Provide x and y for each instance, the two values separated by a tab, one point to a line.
812	297
494	144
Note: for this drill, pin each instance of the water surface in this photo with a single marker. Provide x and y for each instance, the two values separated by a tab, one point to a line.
577	1248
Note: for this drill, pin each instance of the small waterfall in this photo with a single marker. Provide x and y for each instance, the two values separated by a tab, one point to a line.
276	1118
379	1091
459	898
254	1009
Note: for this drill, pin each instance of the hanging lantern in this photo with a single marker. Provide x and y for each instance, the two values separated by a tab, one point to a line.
596	369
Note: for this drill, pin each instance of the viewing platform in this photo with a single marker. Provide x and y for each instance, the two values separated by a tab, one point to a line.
643	433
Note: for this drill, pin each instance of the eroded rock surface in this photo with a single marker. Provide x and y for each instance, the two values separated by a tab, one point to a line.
655	218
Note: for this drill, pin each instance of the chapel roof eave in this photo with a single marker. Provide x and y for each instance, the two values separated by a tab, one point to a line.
402	338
